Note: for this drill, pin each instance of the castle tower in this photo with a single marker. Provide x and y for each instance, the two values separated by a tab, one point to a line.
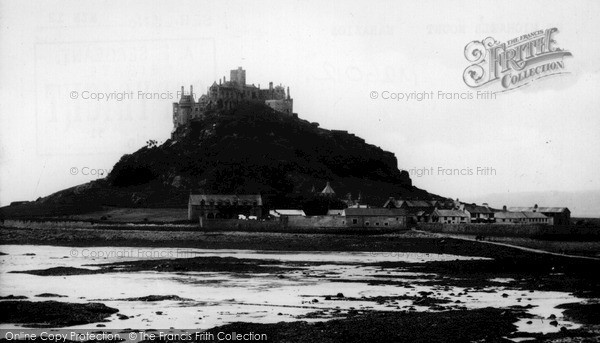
183	109
238	76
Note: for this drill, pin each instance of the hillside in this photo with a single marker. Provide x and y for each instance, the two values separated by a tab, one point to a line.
251	149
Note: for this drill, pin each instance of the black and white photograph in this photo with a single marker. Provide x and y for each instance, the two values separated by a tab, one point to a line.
299	171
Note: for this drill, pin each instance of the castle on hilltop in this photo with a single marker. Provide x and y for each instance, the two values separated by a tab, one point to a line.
227	95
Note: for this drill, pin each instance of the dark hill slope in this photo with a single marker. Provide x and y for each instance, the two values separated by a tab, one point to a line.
251	149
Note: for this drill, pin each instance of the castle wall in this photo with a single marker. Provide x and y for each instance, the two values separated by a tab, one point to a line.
283	106
315	221
181	115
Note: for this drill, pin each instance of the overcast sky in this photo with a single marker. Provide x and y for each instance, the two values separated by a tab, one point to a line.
331	55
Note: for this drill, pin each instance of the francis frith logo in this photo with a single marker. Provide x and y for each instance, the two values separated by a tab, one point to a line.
514	63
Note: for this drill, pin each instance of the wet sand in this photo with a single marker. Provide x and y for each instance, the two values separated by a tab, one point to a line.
436	291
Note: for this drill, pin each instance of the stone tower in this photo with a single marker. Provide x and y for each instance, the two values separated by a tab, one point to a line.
182	110
238	76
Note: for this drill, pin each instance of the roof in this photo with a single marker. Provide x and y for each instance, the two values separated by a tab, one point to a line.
409	203
417	203
450	213
509	215
478	209
423	213
327	189
244	199
519	215
534	215
335	212
393	202
287	212
359	206
539	209
391	212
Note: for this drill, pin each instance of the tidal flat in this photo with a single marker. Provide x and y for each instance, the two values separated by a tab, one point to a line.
338	288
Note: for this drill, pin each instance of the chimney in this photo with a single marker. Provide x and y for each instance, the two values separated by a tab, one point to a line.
224	79
504	208
535	207
181	90
192	91
219	82
288	93
271	86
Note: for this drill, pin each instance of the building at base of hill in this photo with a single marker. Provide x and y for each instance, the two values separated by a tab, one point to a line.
224	206
560	215
278	213
449	216
523	217
375	217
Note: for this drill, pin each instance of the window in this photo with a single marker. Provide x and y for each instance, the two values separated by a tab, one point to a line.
386	224
354	221
376	223
366	223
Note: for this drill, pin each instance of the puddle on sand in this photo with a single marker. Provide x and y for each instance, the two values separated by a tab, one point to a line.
521	339
224	297
502	280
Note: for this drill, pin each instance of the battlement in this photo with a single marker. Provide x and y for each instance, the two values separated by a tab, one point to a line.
227	95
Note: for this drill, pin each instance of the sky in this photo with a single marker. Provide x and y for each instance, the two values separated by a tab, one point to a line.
57	58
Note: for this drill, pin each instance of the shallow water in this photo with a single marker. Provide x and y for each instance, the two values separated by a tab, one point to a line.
217	298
